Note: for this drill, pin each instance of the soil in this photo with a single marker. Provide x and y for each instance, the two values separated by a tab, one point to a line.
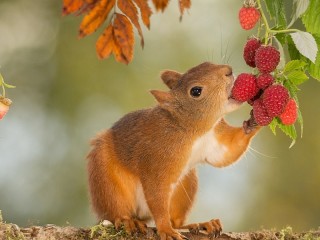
9	231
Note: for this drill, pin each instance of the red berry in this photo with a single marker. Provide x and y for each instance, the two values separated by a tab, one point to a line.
4	106
267	59
249	51
260	113
290	113
257	96
248	17
245	87
275	98
264	80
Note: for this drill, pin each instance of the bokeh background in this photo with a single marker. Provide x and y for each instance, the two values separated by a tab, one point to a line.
65	95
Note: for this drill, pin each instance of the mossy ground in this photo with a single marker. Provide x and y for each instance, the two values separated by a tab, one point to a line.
9	231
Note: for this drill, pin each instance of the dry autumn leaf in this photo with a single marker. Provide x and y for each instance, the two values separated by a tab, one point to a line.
184	4
123	38
130	10
118	37
71	6
91	1
95	17
105	43
145	11
160	4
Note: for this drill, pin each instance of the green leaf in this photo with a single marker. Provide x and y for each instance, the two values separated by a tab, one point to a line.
300	121
306	44
297	77
273	125
293	51
289	130
282	55
311	18
314	68
8	85
1	80
299	7
294	65
277	12
292	88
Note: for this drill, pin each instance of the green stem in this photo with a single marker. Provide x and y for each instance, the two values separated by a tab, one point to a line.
268	29
264	19
3	91
2	85
284	30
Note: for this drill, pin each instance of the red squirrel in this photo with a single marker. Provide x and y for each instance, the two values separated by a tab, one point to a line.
144	166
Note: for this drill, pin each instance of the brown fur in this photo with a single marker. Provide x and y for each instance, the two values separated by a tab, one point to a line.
150	149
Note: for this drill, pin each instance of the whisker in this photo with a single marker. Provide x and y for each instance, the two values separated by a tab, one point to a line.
185	191
264	155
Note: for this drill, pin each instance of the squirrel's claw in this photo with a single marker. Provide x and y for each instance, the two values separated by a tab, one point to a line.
131	225
213	227
172	236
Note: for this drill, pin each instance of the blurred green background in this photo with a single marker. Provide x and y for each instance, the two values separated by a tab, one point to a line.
65	95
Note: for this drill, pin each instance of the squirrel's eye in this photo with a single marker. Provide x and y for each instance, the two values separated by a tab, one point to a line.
196	91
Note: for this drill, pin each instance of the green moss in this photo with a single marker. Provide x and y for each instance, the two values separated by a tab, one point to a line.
13	234
287	234
106	232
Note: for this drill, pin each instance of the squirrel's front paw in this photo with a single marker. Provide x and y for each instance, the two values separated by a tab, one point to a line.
250	125
171	235
213	227
131	225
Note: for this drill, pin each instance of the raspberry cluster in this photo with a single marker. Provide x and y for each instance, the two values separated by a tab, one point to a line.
268	98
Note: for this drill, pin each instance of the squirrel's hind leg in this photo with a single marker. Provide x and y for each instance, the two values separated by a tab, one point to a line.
112	187
181	203
183	198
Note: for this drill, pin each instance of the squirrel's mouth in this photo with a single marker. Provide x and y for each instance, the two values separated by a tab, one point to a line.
230	86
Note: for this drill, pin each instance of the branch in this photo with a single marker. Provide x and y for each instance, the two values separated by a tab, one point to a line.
53	232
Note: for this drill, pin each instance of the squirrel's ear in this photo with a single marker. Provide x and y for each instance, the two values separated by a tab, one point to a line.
163	98
170	78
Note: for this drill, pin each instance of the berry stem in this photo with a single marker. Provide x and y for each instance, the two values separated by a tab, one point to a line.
2	85
284	30
265	21
268	29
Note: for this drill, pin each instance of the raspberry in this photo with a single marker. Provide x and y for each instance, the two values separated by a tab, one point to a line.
4	106
260	113
245	87
264	80
258	95
275	98
267	59
248	17
249	51
289	115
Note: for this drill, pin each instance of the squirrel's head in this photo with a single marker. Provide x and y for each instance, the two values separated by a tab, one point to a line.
203	92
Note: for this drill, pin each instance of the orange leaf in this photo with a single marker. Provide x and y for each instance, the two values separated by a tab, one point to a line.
91	1
160	4
184	4
130	10
105	43
71	6
145	11
124	39
95	17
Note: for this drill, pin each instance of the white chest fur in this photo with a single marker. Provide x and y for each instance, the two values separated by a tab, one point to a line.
207	149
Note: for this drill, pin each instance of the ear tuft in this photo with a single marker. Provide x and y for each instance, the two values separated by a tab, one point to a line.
170	78
163	98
